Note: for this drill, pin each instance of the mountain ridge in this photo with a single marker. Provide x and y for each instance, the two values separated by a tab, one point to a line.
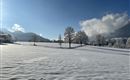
25	36
122	32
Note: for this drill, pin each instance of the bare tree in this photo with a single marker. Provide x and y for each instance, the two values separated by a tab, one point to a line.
81	37
100	40
34	39
69	35
60	40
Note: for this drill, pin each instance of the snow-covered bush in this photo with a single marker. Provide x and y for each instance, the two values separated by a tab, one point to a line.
128	43
120	43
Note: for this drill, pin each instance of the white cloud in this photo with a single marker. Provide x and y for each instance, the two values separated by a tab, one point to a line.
107	24
17	27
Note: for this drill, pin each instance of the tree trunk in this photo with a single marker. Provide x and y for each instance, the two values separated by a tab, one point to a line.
34	43
69	44
80	43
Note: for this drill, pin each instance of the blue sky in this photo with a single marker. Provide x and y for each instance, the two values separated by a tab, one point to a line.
51	17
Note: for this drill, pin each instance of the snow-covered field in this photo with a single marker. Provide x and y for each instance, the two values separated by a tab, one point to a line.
22	61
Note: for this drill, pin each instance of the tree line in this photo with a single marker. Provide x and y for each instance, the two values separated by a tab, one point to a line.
80	37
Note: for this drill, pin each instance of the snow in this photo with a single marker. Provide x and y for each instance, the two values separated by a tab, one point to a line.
46	61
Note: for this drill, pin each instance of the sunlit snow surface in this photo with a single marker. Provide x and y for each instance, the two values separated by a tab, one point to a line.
47	61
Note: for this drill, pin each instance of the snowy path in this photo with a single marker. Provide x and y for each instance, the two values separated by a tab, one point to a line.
23	62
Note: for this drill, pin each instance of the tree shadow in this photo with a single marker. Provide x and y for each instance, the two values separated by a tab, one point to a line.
74	47
3	44
57	47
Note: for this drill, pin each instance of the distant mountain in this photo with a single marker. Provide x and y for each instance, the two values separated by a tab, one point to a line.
122	32
22	36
